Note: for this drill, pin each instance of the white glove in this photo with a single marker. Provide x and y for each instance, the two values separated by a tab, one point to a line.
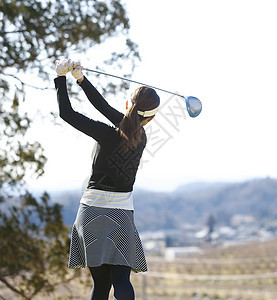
77	70
64	66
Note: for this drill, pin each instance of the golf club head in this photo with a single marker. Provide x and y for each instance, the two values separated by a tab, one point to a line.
194	106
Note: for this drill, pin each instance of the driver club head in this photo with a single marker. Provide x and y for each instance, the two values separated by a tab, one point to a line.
194	106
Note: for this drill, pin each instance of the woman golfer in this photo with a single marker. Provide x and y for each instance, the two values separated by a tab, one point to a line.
104	236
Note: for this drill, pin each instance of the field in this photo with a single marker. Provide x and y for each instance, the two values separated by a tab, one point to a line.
246	271
242	272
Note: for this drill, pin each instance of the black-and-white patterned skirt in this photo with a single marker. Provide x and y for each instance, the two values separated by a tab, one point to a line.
105	236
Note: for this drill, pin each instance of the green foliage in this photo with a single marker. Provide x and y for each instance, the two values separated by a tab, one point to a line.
16	154
35	30
33	34
34	245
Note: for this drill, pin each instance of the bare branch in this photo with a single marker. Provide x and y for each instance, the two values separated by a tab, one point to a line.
13	288
10	32
27	84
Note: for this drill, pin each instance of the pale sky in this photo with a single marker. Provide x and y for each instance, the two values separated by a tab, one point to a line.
224	53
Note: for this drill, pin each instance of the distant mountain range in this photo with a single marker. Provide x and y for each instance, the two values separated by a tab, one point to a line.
192	203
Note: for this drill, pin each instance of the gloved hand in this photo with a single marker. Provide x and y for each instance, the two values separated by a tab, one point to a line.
77	70
64	66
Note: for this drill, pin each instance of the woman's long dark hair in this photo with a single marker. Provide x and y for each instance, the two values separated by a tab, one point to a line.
143	99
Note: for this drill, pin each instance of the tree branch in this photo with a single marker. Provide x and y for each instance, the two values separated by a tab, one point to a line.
26	84
11	287
16	31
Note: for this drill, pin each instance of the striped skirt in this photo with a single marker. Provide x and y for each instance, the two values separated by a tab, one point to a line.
105	236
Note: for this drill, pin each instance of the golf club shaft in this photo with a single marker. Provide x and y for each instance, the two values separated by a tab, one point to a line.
133	81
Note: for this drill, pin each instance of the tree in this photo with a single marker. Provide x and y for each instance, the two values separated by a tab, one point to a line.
211	225
34	243
33	33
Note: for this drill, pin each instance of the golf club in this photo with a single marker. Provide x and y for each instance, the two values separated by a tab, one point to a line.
193	104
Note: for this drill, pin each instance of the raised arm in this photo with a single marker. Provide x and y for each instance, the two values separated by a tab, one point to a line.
95	129
96	99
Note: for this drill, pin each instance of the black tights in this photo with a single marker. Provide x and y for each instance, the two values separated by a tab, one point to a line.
106	276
